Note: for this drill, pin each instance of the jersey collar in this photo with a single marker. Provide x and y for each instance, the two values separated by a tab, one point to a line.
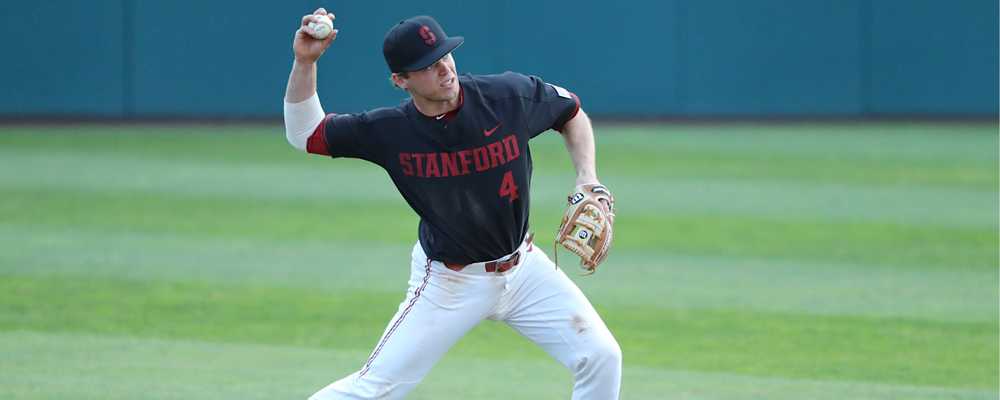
450	115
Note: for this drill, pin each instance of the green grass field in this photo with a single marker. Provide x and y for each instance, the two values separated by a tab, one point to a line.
797	261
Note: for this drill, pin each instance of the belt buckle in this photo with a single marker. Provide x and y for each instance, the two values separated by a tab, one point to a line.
503	265
510	262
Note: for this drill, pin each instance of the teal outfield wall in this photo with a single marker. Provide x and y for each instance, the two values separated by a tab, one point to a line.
673	58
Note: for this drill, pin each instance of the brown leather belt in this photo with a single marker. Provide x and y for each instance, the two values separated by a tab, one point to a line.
498	266
492	266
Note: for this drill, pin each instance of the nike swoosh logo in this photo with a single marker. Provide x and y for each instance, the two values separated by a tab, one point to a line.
489	132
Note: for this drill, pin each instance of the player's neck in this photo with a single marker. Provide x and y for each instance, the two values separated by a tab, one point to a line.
435	108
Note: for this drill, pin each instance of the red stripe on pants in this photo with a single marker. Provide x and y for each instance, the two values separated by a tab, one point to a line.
416	295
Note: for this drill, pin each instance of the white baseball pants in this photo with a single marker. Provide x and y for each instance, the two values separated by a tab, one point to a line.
535	298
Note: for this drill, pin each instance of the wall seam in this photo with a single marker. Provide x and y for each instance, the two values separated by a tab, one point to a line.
128	55
865	57
680	93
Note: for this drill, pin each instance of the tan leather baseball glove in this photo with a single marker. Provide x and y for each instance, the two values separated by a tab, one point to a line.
586	227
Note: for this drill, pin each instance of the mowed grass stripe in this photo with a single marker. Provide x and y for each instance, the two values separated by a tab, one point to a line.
925	141
131	368
629	277
910	205
279	219
683	233
885	155
808	240
960	355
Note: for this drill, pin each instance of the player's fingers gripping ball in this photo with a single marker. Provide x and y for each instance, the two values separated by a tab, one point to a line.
321	26
587	225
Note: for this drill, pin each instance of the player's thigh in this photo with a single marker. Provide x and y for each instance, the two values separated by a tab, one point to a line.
549	309
440	308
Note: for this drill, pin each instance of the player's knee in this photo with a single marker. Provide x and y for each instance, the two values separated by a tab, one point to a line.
604	357
611	356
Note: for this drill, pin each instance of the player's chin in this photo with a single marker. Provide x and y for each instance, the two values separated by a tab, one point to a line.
448	94
453	90
450	90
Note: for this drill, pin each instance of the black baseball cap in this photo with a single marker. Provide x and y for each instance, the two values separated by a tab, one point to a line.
416	43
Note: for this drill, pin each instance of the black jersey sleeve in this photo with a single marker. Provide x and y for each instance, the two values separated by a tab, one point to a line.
348	135
548	106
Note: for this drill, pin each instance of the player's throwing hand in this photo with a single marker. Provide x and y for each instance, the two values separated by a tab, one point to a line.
307	48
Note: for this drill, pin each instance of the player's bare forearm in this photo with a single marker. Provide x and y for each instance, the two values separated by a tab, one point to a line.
578	135
301	82
307	50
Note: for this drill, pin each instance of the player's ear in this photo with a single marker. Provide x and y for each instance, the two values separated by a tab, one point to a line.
399	80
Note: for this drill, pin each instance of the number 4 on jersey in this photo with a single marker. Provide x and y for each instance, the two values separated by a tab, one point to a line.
508	188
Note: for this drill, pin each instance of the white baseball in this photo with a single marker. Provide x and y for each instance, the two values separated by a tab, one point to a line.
321	26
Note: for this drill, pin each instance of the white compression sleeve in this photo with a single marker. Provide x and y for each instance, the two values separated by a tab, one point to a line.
301	119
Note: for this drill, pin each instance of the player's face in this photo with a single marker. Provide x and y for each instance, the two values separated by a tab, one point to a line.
438	82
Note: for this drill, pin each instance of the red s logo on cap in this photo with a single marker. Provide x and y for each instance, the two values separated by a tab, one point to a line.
427	35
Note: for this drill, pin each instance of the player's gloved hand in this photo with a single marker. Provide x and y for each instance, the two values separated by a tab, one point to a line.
587	225
308	49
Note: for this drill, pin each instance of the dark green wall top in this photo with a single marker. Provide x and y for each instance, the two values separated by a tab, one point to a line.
672	58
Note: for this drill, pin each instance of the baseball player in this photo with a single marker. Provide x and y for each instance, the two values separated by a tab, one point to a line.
457	151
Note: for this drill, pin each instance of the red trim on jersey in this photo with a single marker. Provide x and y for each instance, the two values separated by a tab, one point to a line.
317	141
416	295
572	115
450	115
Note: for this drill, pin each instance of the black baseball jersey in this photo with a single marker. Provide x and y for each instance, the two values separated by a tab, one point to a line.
468	175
